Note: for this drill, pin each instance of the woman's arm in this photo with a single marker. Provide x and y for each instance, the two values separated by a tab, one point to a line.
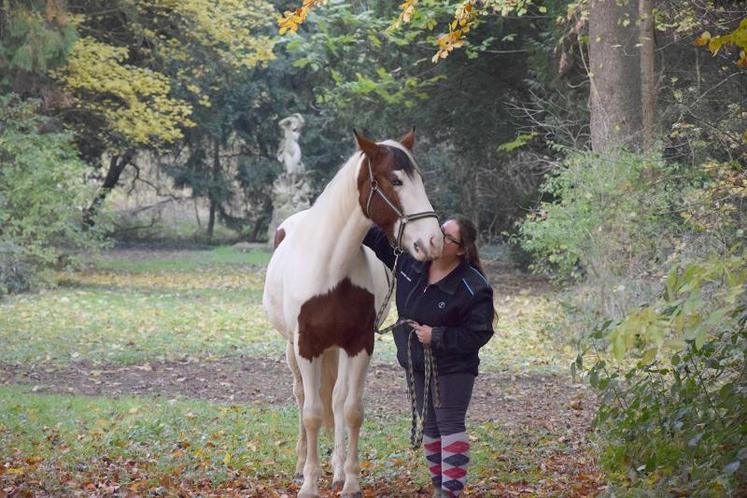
377	240
474	331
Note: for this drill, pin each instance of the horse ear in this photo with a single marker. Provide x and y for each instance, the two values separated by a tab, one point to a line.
408	140
367	146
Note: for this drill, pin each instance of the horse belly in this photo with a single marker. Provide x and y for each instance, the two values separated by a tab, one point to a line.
343	317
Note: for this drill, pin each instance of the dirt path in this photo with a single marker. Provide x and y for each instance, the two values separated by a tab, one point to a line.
524	400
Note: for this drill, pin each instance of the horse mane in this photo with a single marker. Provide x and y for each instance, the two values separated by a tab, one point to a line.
342	191
343	188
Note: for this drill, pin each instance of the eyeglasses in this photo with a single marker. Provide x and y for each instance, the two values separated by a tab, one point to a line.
449	239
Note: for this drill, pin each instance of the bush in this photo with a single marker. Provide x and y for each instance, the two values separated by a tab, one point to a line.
676	420
43	192
668	341
608	216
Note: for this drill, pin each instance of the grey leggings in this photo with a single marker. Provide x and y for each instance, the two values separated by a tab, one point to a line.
455	391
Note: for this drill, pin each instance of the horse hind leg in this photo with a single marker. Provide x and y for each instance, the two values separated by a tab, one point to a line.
329	377
290	357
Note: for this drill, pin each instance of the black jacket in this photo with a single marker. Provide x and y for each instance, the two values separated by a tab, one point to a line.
459	308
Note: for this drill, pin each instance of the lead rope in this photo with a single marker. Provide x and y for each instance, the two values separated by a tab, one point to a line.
431	373
417	425
380	314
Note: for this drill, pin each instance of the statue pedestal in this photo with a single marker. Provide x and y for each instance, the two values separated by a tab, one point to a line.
291	193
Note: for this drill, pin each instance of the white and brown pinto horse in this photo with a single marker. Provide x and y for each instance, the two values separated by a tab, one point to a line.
323	290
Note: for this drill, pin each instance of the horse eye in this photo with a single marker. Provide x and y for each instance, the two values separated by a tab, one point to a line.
396	182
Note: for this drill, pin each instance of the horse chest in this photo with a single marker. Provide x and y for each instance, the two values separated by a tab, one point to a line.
342	317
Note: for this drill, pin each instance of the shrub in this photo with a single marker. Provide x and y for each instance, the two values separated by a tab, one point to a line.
607	216
42	194
675	419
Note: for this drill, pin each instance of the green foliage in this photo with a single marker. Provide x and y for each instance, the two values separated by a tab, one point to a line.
675	421
42	193
737	37
520	141
606	215
125	78
32	41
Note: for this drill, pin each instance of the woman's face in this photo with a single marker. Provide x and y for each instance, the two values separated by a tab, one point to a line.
452	239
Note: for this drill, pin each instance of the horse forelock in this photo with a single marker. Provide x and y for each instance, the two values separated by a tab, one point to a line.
403	159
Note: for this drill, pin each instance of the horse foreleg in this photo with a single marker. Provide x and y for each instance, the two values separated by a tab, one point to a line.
311	371
290	357
356	369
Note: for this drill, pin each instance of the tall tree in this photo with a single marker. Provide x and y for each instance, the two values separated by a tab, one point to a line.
648	75
615	74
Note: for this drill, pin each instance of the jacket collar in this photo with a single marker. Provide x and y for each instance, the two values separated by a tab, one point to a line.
448	284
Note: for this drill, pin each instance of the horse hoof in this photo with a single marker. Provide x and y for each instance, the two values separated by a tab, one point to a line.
298	478
308	495
357	494
337	485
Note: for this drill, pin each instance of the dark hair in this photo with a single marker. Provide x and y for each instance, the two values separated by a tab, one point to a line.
468	237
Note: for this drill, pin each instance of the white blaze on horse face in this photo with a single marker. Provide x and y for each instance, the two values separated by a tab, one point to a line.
422	238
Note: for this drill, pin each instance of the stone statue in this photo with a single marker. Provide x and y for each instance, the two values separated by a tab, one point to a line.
291	191
289	152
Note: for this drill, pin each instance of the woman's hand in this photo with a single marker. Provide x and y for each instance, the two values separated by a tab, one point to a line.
424	332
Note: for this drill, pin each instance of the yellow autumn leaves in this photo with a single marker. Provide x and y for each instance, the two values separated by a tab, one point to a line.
464	18
134	101
290	21
738	37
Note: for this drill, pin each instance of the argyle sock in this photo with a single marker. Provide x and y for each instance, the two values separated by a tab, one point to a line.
454	461
432	450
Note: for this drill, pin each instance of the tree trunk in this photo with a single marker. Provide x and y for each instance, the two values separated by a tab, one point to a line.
648	78
117	165
615	75
212	190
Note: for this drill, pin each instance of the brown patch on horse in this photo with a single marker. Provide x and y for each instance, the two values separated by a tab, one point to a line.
279	236
342	317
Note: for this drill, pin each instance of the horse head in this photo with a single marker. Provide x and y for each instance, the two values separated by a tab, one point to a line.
392	195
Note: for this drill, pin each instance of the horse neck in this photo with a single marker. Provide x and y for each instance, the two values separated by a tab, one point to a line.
336	224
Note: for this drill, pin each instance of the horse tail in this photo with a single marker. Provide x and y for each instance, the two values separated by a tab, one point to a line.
329	377
279	236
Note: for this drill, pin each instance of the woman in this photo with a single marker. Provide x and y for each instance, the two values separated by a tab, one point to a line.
448	305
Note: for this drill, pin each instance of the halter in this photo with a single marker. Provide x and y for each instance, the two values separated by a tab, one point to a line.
403	218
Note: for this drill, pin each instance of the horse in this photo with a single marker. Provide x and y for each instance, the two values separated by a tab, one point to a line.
323	289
